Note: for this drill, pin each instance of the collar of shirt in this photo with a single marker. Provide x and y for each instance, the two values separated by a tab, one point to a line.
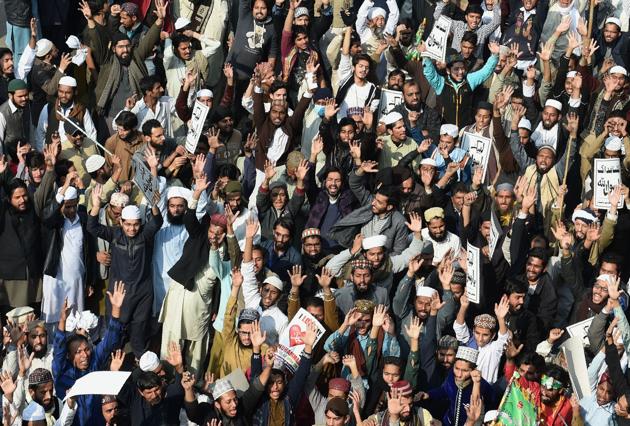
12	106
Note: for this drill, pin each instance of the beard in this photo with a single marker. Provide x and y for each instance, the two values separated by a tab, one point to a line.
125	61
174	220
38	354
436	238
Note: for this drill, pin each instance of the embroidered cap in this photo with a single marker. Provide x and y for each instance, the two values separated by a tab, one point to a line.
467	354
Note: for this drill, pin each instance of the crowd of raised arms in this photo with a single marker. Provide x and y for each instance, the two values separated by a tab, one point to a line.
315	212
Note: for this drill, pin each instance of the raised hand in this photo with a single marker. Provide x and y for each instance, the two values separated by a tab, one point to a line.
594	232
251	227
325	278
415	222
554	335
302	170
117	297
394	403
445	273
150	156
297	279
7	384
118	357
352	317
573	122
414	328
84	8
511	350
436	304
502	308
330	358
369	167
188	381
270	170
475	375
174	356
160	10
355	150
310	335
529	198
378	319
331	109
258	336
237	278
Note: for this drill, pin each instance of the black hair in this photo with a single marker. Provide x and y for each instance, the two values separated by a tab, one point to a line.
260	248
298	30
96	6
35	159
228	170
15	184
531	358
75	339
539	253
332	169
558	373
459	187
610	258
277	373
514	285
147	83
393	360
397	72
127	120
313	301
62	167
284	222
277	85
470	37
148	380
149	125
391	193
5	51
179	38
362	57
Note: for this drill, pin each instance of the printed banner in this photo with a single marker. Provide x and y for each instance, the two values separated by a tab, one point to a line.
473	279
199	114
144	180
606	175
437	42
290	345
478	148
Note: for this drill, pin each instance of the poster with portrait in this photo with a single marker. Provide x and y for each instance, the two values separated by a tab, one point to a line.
143	179
389	99
437	42
606	175
478	148
291	345
199	114
473	274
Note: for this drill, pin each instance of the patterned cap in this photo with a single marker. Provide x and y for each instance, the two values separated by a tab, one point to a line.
311	232
106	399
361	264
403	387
248	314
354	111
433	212
485	321
364	306
467	354
459	277
39	376
129	8
219	220
119	199
221	387
339	384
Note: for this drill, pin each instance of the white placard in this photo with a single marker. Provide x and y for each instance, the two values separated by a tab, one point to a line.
573	350
473	283
437	42
606	175
389	99
143	179
99	383
199	114
495	233
290	345
478	149
580	329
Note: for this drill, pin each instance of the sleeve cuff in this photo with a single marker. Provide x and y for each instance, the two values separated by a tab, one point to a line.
258	89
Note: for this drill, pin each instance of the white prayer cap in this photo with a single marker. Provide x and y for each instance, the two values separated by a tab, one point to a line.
376	11
490	416
274	281
613	143
73	42
467	354
554	104
94	162
70	194
425	291
66	80
449	129
374	241
181	23
149	361
613	20
584	215
205	93
19	314
33	412
525	124
504	50
130	213
42	47
607	278
617	69
179	192
428	162
221	387
571	74
391	118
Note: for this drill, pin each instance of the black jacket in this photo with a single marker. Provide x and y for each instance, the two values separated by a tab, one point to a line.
20	243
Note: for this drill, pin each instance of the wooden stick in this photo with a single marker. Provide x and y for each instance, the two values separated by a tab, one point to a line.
591	12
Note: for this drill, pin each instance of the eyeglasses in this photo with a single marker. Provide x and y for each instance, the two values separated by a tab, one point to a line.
244	333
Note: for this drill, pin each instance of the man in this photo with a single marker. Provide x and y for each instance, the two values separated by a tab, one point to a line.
361	286
556	405
400	407
171	156
44	76
76	148
280	254
521	322
110	410
50	120
231	139
69	254
481	127
354	88
154	105
524	26
337	412
371	25
125	143
131	249
6	72
130	22
472	22
442	240
122	67
613	43
15	118
421	121
455	91
396	144
548	130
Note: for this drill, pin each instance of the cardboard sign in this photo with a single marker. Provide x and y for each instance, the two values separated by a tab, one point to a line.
495	233
199	114
606	175
478	148
144	180
291	345
473	276
99	383
573	350
389	99
580	329
437	42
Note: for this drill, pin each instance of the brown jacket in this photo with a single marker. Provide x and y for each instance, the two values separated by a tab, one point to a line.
125	151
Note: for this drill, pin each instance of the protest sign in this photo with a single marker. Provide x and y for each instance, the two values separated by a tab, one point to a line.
573	350
473	279
143	179
580	329
389	99
606	176
478	148
199	114
495	233
437	41
99	383
291	345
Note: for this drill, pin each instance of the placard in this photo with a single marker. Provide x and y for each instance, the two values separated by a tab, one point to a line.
99	383
580	329
573	350
606	175
478	147
291	345
437	42
473	283
199	114
495	233
143	179
389	99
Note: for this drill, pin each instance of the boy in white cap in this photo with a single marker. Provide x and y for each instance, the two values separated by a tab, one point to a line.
397	143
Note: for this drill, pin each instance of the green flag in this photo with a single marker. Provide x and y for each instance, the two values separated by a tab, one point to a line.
518	407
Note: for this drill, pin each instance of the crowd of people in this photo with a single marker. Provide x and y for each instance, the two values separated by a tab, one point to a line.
377	212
